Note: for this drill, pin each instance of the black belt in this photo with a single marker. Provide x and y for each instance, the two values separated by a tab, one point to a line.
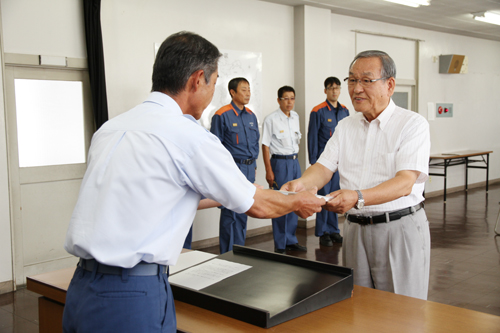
247	162
285	157
382	218
141	269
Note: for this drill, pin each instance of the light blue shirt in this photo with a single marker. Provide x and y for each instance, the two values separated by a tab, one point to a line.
281	133
147	170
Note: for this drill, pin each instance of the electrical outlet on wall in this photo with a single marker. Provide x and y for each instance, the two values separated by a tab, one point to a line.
444	110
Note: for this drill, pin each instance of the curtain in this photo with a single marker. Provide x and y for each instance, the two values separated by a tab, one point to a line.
95	58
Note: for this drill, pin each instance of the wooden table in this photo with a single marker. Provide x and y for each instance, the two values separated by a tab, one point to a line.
369	310
458	158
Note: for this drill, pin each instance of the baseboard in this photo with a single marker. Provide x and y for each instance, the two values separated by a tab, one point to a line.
6	287
460	188
209	242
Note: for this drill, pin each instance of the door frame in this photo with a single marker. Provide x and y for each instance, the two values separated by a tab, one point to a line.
27	66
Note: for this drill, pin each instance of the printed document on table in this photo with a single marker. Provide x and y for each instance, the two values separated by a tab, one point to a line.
207	273
188	259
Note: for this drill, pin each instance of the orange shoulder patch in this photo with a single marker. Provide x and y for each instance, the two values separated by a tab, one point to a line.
320	106
224	109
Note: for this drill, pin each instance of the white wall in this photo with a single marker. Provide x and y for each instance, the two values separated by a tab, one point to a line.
5	230
476	115
130	29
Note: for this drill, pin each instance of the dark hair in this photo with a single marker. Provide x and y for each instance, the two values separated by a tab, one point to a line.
388	65
233	84
331	80
285	89
179	56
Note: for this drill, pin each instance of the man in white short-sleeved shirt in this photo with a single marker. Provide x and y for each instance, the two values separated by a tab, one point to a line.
382	156
280	146
148	169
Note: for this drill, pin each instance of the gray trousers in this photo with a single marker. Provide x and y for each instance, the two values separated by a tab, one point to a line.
391	256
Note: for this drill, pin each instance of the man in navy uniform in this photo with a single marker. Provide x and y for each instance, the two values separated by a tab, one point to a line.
322	122
237	128
280	146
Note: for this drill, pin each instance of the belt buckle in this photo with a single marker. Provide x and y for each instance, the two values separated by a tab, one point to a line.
294	157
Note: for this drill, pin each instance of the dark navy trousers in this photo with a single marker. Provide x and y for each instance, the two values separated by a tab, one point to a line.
284	227
327	221
118	303
233	226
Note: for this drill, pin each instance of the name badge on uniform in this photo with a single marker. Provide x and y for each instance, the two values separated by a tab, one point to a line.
282	131
329	120
235	124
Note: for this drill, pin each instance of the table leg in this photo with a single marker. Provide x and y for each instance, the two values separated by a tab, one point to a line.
445	177
50	315
466	174
487	170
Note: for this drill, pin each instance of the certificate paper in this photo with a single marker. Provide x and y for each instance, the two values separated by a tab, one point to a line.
188	259
207	273
317	195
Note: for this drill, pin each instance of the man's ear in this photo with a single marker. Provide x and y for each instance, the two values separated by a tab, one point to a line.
391	85
232	93
194	81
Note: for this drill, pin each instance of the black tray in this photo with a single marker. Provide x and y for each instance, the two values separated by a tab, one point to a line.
276	289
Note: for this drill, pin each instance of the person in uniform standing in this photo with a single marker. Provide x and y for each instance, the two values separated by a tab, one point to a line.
237	128
280	146
322	122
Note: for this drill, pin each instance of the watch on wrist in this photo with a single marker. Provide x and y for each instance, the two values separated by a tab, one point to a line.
361	202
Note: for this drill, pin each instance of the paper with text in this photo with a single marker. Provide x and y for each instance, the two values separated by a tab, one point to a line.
207	273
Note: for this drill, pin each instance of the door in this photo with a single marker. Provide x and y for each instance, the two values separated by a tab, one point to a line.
49	127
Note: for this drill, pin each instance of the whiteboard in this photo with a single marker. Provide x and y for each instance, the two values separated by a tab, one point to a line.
236	64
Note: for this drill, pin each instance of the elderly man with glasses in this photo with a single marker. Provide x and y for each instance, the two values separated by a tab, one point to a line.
382	155
322	122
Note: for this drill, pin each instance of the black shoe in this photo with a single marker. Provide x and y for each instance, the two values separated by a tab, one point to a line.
325	240
296	247
282	251
336	238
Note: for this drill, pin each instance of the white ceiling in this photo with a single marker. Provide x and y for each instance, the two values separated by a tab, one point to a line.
452	16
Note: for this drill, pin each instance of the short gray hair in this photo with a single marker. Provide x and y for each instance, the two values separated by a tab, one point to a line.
388	65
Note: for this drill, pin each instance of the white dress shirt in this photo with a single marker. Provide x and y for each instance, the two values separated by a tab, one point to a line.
367	154
281	133
147	170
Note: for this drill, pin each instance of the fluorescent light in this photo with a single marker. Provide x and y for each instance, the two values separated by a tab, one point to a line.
487	17
412	3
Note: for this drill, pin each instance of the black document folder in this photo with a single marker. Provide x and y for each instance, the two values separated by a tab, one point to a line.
276	289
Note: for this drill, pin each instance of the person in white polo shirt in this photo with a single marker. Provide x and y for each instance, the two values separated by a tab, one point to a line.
382	156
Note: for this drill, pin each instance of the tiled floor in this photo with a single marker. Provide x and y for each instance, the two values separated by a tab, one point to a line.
465	258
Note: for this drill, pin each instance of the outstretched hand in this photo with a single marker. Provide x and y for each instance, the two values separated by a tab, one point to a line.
309	203
342	201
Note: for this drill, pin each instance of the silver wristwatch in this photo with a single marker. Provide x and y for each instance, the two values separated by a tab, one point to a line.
361	202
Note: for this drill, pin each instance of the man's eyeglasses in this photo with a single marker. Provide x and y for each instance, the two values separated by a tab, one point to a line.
364	82
286	99
333	88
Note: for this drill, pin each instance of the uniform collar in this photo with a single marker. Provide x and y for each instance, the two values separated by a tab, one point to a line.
282	115
168	102
237	110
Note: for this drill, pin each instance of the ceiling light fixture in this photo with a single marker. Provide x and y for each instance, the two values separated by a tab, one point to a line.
487	17
412	3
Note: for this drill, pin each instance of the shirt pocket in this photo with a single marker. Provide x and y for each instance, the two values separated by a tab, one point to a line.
284	139
329	126
253	134
235	134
